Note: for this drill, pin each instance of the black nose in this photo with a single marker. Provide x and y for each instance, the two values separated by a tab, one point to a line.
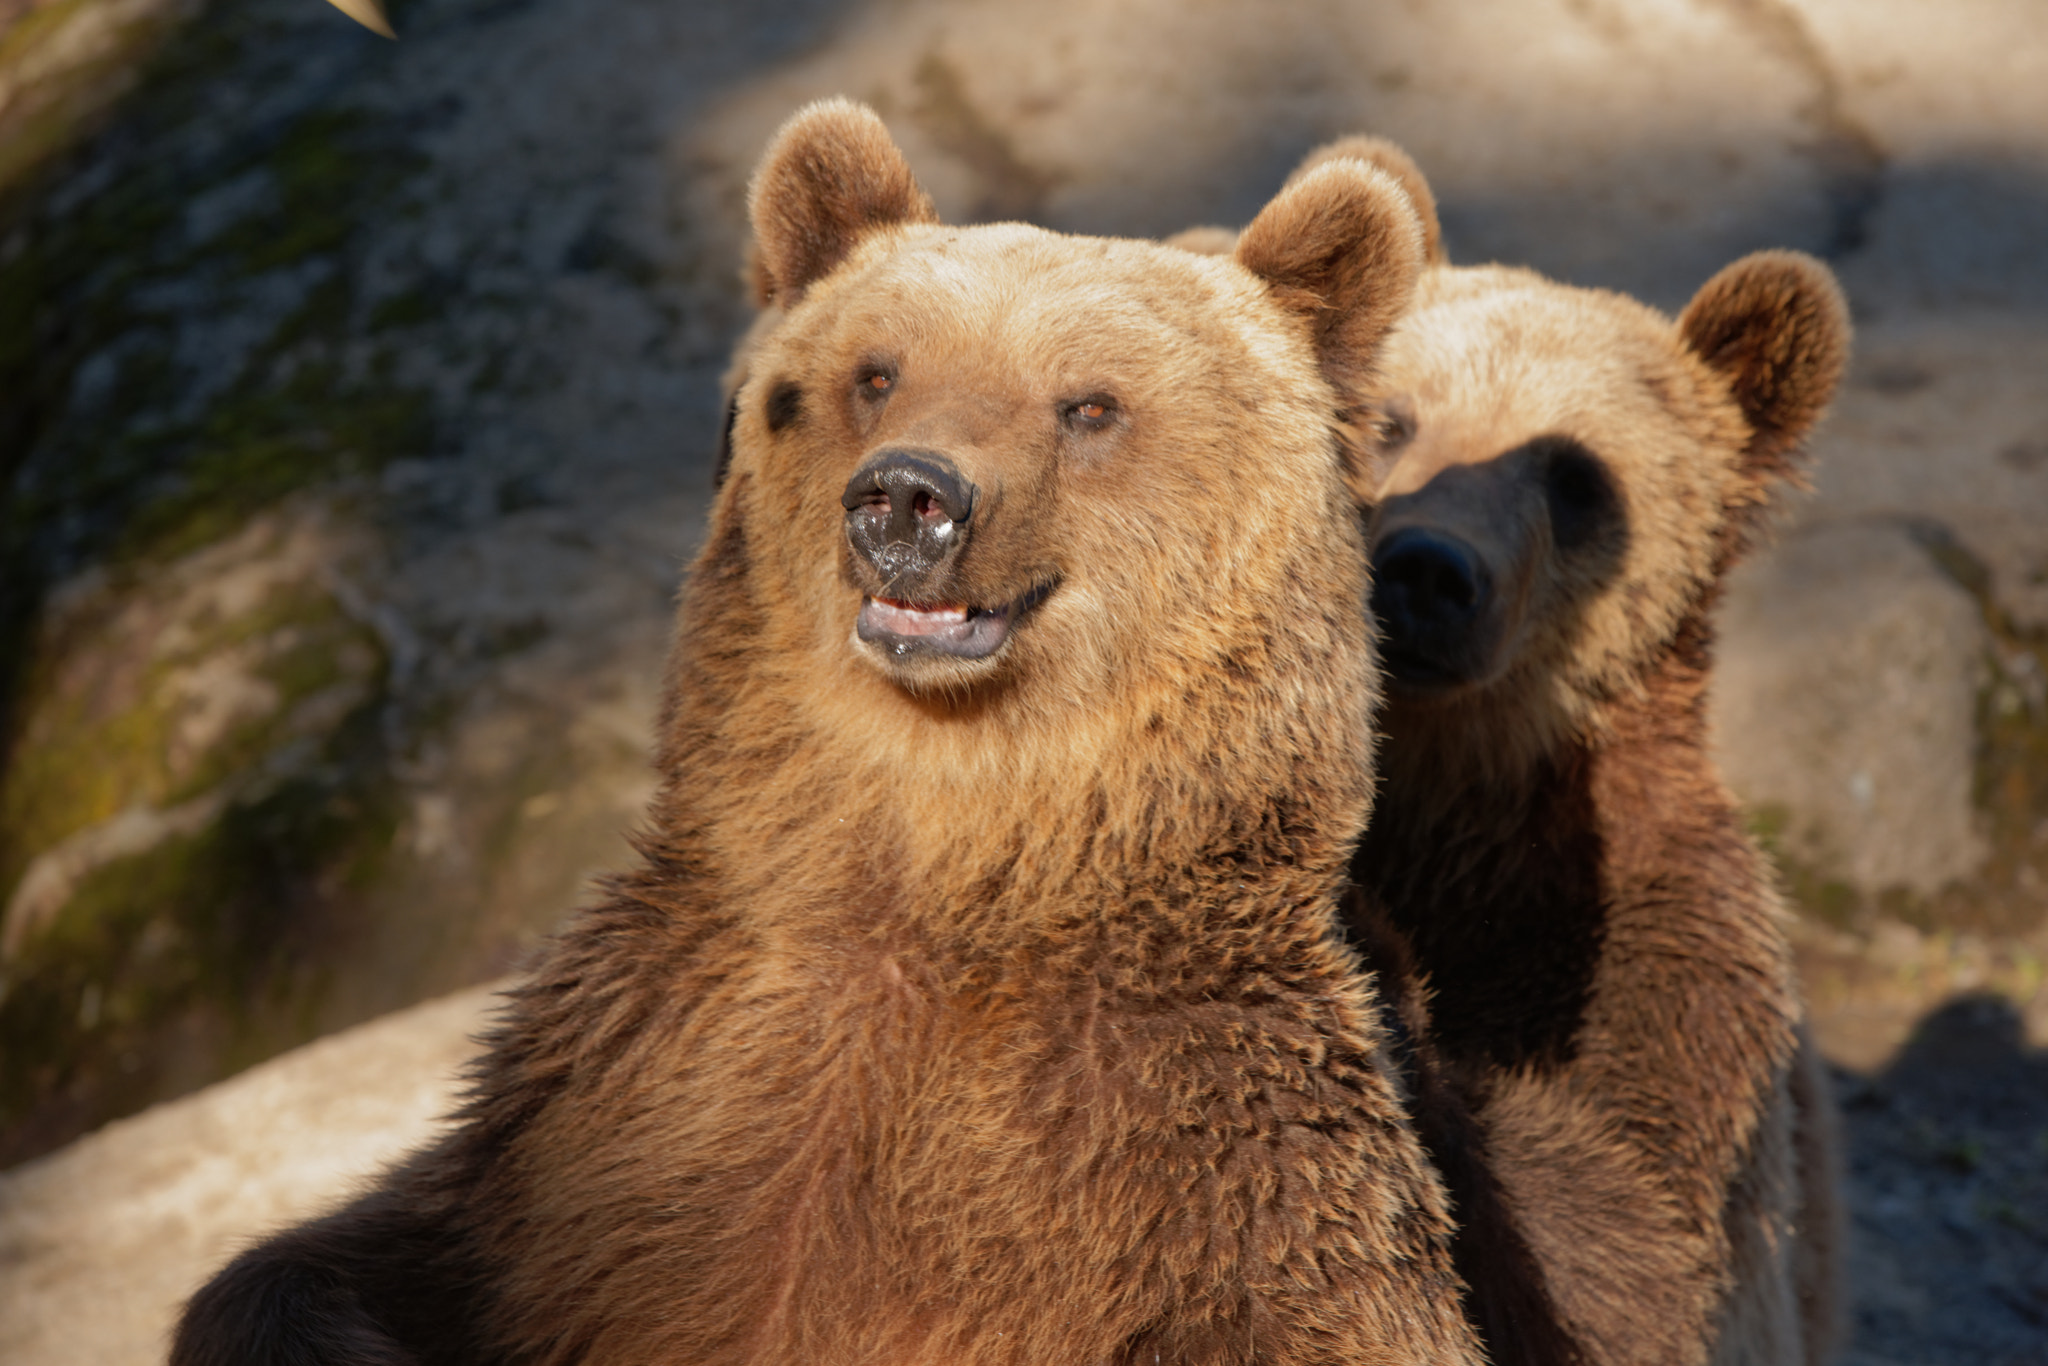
1430	590
907	513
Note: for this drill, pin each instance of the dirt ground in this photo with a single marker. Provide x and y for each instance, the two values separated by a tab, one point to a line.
357	403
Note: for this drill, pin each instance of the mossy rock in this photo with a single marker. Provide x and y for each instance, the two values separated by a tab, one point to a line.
199	772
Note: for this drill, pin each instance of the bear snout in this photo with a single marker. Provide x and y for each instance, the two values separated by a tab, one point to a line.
907	515
1432	592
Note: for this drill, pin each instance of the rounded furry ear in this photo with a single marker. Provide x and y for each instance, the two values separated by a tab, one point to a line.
1776	327
1342	246
831	176
1396	163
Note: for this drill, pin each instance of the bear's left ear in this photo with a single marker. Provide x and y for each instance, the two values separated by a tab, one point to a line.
1342	246
1775	326
831	176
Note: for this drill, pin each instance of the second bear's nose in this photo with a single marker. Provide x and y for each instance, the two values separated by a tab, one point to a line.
1429	590
906	511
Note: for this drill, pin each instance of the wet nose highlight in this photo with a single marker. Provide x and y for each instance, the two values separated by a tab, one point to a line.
907	510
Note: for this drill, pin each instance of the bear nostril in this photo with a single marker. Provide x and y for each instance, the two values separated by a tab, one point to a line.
1427	578
924	483
1450	584
907	512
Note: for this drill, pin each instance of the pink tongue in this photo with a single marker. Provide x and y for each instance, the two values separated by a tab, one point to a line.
904	620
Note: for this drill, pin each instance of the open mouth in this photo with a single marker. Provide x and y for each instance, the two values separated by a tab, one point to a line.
905	629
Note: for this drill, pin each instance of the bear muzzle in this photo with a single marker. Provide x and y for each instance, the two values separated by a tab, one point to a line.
907	514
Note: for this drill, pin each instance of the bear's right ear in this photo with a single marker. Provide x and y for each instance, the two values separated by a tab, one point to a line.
1342	246
1774	325
831	176
1396	163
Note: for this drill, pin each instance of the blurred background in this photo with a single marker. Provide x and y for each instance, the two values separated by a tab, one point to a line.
357	404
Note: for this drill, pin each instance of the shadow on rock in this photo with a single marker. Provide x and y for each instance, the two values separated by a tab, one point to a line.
1948	1185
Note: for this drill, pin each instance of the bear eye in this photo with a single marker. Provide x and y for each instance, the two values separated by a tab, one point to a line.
874	381
1090	414
1392	426
1578	489
785	405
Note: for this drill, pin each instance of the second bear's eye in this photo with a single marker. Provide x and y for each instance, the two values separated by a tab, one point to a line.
874	381
1580	491
1392	427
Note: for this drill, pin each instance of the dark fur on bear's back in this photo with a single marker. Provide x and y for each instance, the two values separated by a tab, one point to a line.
963	1010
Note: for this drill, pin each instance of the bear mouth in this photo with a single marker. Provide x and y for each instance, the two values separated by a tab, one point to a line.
955	630
1419	671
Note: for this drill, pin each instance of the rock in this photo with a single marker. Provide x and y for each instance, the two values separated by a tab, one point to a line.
101	1243
1844	706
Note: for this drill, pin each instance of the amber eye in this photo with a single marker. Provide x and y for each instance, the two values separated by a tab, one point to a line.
1092	413
1391	424
881	384
874	382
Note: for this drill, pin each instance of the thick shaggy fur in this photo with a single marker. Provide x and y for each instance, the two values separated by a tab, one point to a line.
963	1011
1610	989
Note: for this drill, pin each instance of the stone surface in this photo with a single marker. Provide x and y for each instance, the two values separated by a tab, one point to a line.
100	1244
1845	705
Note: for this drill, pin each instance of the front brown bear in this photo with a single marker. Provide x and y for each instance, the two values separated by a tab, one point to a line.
980	998
1560	479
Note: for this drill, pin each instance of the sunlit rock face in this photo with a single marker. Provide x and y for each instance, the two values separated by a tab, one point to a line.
102	1241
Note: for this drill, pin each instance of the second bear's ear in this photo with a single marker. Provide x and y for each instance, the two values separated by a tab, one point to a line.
1341	245
1775	326
1389	158
831	176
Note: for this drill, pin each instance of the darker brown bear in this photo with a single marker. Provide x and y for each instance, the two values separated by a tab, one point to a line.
980	997
1608	1066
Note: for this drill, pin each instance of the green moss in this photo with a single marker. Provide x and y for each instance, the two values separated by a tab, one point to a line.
218	936
119	476
2011	788
2009	895
1810	889
260	444
330	168
2011	773
407	309
208	946
82	761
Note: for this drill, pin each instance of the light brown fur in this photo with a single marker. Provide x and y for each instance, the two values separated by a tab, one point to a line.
964	1011
1613	993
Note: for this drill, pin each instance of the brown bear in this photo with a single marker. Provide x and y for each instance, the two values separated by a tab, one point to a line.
981	995
1609	1068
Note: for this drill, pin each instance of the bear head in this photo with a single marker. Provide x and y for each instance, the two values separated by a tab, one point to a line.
995	499
1558	478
